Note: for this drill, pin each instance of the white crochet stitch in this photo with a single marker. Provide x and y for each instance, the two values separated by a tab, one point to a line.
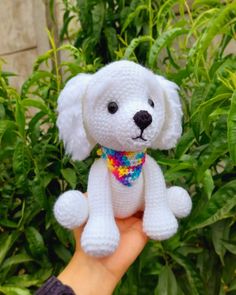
124	107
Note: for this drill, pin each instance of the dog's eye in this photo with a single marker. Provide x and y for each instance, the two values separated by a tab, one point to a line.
112	107
150	101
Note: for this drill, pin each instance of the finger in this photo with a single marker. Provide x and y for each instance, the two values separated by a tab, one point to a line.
131	244
77	236
125	223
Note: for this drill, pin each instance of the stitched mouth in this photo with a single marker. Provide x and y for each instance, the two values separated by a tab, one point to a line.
140	136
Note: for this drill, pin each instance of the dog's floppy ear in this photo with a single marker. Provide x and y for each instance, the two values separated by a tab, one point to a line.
172	127
70	117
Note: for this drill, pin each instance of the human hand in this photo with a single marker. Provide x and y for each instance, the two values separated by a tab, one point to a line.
86	274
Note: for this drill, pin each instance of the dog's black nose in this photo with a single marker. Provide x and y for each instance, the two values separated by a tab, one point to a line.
142	119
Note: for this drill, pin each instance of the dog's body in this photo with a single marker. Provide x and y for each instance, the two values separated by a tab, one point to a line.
124	107
127	202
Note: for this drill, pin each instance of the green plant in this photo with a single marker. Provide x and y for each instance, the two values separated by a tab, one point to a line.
34	171
189	45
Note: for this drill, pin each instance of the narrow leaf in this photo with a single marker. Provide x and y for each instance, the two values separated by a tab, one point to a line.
70	176
112	42
63	253
217	208
20	118
23	281
21	160
220	232
162	41
167	284
214	150
230	246
218	22
184	143
36	76
35	241
6	125
132	16
10	290
165	9
98	14
231	128
36	103
6	243
16	259
208	183
193	276
134	43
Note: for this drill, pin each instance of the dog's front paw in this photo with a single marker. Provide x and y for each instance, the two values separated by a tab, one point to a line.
100	238
159	224
71	209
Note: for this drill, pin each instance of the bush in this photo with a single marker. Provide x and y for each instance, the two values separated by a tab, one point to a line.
188	45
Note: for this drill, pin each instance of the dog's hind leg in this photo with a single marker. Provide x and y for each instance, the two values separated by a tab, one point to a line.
179	201
71	209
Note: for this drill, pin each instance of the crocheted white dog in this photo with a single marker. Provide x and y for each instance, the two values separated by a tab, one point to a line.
125	108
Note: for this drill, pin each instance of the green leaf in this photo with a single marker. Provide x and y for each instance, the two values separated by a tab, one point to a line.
10	290
16	259
63	253
208	183
230	246
63	235
184	143
232	286
37	75
220	232
66	21
6	242
197	97
35	242
8	223
21	160
132	16
98	14
36	103
167	284
70	176
214	150
231	128
6	125
134	43
193	276
208	104
218	207
162	41
20	118
23	281
112	41
218	22
165	9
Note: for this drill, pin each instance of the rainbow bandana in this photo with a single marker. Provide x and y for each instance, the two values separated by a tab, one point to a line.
125	166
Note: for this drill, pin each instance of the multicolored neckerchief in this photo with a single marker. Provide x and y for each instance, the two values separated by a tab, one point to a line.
125	166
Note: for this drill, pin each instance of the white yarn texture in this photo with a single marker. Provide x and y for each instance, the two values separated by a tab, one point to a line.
84	119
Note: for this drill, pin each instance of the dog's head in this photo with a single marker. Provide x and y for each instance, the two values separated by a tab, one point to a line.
123	106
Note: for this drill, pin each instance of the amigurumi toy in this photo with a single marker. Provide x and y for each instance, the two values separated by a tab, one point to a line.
125	108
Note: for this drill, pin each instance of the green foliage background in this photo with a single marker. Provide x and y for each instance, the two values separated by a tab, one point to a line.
187	44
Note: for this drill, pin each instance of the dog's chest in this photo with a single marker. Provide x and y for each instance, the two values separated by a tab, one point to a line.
127	200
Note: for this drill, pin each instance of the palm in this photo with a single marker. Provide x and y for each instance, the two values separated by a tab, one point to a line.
132	241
